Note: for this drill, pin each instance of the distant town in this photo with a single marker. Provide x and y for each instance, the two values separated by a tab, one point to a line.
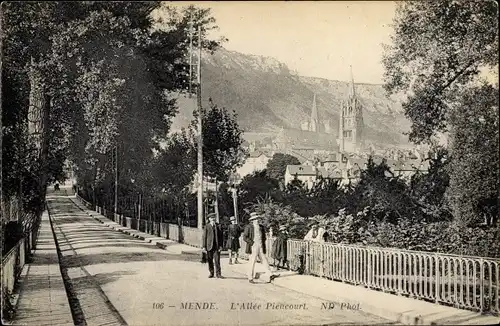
324	156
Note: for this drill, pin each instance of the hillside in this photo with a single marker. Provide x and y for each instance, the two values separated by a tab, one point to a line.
267	96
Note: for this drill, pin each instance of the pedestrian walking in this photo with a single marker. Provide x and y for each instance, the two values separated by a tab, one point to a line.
233	240
255	237
212	242
279	252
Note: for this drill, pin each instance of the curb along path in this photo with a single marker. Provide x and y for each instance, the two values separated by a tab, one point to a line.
89	304
42	296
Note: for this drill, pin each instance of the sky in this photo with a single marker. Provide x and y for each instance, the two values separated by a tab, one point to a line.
315	38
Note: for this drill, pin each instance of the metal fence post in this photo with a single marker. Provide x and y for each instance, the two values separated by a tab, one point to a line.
308	258
481	281
322	257
438	276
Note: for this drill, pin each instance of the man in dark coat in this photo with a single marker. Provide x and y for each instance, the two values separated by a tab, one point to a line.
212	243
233	240
255	237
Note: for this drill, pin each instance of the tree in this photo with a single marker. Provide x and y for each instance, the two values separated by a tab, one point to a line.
104	77
327	196
437	51
297	195
222	142
106	72
474	178
386	195
31	48
276	166
175	165
258	186
428	189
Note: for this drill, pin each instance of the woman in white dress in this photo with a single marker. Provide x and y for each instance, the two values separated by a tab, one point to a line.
316	235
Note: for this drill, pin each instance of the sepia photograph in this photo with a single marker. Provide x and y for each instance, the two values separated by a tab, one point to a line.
178	163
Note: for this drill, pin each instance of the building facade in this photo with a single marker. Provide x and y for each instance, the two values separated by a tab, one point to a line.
305	173
256	161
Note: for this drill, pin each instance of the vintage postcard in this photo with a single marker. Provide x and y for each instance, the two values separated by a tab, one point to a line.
250	163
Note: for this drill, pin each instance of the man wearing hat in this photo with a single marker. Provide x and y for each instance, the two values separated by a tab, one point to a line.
255	237
233	240
212	244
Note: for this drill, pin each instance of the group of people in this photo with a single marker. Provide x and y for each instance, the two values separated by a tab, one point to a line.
254	235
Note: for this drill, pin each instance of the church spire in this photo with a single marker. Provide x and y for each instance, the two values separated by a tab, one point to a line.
314	116
352	92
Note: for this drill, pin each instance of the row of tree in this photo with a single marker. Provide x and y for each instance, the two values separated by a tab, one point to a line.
106	78
444	57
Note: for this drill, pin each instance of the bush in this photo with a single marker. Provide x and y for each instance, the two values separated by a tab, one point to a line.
275	214
12	234
474	241
408	235
443	237
346	228
7	307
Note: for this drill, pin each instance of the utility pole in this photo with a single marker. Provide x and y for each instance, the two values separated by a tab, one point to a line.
190	56
216	203
200	137
116	182
139	207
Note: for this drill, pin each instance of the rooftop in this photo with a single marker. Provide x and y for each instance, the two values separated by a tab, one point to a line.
301	170
329	173
259	153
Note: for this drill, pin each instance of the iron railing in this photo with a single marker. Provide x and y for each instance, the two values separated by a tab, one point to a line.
12	264
464	282
460	281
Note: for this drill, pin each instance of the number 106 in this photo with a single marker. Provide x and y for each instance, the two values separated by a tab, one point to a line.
158	305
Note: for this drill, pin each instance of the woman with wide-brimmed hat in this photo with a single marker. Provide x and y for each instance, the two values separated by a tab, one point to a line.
279	250
317	233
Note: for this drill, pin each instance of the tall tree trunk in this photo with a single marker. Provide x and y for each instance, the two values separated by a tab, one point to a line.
38	126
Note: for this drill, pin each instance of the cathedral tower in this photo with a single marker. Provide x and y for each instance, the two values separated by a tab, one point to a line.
351	122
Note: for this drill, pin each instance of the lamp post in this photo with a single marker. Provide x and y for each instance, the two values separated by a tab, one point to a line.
234	192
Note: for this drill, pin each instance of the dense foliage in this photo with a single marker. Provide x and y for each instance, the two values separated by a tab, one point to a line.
276	166
106	70
379	210
437	50
474	183
441	56
222	142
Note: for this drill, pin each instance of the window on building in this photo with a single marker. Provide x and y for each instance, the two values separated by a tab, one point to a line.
347	133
